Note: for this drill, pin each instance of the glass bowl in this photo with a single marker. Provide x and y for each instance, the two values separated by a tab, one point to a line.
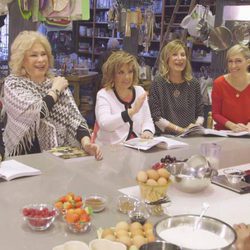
96	201
139	214
78	220
78	227
126	203
39	216
234	176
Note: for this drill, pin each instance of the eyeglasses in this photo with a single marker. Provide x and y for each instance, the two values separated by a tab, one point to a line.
236	62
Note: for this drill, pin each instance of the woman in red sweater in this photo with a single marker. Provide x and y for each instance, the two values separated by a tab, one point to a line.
231	92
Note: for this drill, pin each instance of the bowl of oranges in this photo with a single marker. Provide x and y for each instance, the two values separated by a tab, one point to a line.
78	220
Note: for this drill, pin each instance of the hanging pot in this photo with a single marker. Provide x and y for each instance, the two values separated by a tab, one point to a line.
220	38
241	33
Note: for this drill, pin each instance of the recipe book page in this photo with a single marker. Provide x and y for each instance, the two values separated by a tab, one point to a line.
161	142
12	169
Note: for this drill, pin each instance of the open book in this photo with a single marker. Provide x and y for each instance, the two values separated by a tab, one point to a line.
197	130
12	169
68	152
161	141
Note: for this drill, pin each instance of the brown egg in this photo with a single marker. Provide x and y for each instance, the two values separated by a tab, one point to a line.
121	232
122	225
152	182
142	176
135	225
147	226
148	231
125	240
139	240
163	173
153	174
162	181
151	238
137	231
107	231
110	237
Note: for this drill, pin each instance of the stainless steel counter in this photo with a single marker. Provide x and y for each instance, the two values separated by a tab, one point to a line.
117	170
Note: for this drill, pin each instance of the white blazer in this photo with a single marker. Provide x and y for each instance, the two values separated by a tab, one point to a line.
112	128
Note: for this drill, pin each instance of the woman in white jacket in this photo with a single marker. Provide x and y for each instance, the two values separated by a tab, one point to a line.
122	110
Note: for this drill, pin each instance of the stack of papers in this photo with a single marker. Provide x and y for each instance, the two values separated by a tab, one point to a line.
12	169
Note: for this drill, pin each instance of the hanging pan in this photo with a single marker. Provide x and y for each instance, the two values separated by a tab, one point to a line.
241	33
220	38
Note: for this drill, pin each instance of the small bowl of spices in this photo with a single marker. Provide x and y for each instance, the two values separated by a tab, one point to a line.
96	201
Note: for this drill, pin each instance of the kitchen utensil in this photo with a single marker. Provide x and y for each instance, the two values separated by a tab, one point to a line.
205	207
191	176
220	38
159	245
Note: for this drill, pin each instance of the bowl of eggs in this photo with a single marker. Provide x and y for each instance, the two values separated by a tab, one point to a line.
153	183
130	234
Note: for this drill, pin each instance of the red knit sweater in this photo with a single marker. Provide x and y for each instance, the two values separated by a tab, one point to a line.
229	104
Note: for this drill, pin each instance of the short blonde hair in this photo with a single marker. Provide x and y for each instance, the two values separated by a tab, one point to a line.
24	42
115	61
239	49
166	52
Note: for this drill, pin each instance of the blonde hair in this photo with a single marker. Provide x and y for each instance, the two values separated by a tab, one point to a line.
166	52
115	61
24	42
239	49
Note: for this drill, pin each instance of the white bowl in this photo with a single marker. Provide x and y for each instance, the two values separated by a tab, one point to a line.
103	244
72	245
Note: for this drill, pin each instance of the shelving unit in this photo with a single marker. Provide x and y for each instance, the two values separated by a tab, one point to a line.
90	42
91	36
200	54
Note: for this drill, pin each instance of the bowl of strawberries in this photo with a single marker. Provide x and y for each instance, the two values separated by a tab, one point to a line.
39	216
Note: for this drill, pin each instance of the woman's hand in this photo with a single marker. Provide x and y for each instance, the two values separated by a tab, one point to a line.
138	104
91	148
248	126
239	127
243	236
147	135
60	83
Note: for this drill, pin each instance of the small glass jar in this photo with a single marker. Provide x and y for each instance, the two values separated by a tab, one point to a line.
126	203
139	214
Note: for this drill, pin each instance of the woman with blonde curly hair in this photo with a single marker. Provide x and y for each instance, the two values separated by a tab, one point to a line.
41	112
175	97
122	110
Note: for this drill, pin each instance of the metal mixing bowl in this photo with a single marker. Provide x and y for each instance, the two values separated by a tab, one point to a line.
159	245
212	225
191	176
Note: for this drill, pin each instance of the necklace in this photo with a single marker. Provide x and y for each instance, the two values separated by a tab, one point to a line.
176	92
